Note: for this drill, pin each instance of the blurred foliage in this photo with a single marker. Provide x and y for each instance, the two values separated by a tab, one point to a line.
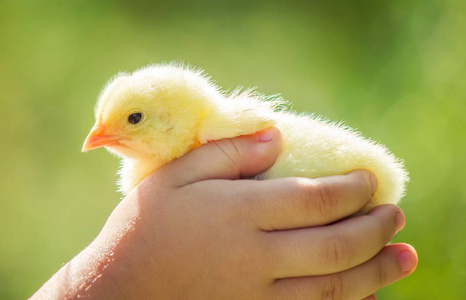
393	69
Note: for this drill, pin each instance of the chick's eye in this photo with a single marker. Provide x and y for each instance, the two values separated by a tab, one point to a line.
135	118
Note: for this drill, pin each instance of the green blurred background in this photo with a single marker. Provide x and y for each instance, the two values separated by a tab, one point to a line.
393	69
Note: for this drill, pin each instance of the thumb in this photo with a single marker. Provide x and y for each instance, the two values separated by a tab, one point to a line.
235	158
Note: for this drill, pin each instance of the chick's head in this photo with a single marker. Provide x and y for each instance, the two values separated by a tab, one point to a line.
151	114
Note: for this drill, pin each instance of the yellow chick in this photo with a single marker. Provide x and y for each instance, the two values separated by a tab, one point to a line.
161	112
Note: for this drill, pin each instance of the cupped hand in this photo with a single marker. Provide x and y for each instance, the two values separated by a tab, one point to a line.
194	230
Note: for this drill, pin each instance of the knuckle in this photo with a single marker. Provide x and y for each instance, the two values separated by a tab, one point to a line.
338	251
381	275
322	200
229	150
333	288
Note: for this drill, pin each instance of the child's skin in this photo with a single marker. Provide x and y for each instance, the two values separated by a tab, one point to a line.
192	230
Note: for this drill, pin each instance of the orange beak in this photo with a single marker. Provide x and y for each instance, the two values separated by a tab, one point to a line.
99	138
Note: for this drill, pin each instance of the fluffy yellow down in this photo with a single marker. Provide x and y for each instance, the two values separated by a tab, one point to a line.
182	108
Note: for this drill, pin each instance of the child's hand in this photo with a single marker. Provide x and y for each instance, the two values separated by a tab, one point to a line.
192	230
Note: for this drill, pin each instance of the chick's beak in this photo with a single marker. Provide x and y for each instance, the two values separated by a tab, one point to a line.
99	138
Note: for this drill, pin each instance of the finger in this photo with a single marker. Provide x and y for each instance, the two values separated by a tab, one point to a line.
371	297
291	203
235	158
333	248
391	264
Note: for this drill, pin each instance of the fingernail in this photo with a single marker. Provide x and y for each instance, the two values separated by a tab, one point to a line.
407	261
373	181
266	135
400	221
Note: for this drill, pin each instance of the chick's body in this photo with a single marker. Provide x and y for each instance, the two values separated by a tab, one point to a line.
181	109
315	148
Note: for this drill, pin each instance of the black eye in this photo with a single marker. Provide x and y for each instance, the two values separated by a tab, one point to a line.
135	118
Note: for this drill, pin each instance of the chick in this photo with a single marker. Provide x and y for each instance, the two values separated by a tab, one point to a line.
161	112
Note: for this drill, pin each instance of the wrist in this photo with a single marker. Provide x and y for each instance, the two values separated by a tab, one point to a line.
88	275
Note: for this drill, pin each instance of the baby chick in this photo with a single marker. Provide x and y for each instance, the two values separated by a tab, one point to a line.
161	112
